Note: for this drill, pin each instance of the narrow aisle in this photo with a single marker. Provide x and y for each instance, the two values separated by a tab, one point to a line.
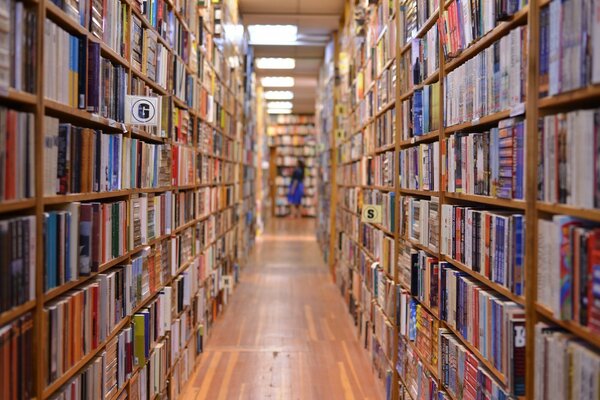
286	333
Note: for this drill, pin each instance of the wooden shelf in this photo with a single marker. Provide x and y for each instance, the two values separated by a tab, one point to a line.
589	95
588	214
425	138
415	192
576	329
483	121
17	312
428	23
17	205
492	201
12	96
383	149
81	117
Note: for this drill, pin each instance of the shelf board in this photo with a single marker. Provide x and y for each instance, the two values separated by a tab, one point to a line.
81	116
589	95
16	205
486	281
572	326
16	312
416	192
584	213
487	120
499	375
12	96
492	201
422	247
427	137
383	149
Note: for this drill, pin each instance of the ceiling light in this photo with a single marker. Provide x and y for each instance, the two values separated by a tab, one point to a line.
279	111
279	95
273	34
277	81
275	63
280	104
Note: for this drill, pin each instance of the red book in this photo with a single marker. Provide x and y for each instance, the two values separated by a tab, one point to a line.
594	282
95	325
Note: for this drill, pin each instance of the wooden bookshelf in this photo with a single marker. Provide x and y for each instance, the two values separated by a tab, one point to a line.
235	105
358	89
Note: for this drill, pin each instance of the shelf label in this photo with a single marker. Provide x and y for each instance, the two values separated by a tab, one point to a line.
339	134
371	213
339	110
141	110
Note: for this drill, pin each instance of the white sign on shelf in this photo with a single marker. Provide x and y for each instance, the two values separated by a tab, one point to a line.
141	110
372	213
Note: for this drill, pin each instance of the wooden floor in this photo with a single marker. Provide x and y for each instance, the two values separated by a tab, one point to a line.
286	333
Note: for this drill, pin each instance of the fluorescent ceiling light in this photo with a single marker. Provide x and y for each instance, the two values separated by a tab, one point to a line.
275	63
273	34
279	111
279	95
277	81
279	104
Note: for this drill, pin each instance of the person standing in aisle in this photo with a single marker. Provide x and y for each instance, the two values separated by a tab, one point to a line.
296	190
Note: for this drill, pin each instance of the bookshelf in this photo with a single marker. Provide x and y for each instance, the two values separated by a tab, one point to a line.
445	202
94	204
292	138
324	117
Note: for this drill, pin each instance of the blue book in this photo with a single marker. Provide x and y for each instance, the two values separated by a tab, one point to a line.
67	234
425	104
519	161
418	113
519	268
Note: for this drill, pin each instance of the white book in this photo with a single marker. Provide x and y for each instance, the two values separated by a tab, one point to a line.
595	42
555	44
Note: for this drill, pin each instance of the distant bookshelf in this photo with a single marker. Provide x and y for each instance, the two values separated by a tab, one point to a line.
292	137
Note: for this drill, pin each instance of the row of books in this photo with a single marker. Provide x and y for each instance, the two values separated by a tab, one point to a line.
379	244
425	110
464	376
17	158
419	167
290	129
210	170
490	323
352	149
381	132
380	170
386	87
489	163
419	221
80	321
491	243
568	269
425	56
565	366
568	159
416	378
81	238
464	21
17	264
83	160
492	81
18	37
349	197
569	53
16	356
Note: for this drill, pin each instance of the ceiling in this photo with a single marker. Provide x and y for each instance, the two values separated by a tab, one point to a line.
316	20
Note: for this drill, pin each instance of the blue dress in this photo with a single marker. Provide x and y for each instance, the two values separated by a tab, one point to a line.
296	190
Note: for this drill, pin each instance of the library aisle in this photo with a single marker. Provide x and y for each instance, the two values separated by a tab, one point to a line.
285	333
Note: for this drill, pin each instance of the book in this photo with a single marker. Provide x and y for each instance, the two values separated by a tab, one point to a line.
17	159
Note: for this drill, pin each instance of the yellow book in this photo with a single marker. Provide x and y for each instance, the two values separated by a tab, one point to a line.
139	340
